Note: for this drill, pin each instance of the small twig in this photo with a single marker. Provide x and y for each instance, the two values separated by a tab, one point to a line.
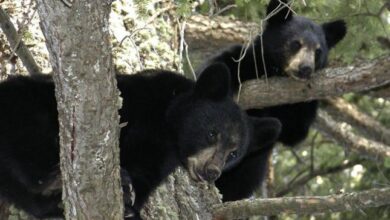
22	27
224	9
135	47
262	53
68	3
297	156
189	61
181	44
16	42
158	13
312	151
302	180
212	5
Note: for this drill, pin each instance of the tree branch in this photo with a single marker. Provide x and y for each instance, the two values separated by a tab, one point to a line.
17	44
341	110
343	135
222	30
303	205
319	172
329	82
380	92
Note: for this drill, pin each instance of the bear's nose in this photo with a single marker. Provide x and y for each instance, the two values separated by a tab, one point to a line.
305	72
212	173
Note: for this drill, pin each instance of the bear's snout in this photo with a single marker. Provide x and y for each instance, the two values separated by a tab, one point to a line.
211	173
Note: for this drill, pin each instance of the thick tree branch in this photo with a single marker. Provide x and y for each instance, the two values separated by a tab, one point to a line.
329	82
342	133
303	205
17	44
222	30
341	110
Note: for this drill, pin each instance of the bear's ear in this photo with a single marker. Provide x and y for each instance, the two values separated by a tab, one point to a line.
214	82
334	32
279	10
265	131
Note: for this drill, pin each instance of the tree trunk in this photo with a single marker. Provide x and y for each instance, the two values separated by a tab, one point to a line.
181	198
78	41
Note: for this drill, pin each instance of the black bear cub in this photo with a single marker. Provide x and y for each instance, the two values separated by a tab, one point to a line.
292	46
171	121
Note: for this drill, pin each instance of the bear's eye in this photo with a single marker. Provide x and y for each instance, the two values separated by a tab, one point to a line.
232	155
212	136
295	46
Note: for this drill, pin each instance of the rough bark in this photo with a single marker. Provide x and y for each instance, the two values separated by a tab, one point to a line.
303	205
181	198
329	82
206	35
343	134
78	41
222	30
370	128
17	43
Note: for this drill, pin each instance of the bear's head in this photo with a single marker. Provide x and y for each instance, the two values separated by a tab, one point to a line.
212	132
295	45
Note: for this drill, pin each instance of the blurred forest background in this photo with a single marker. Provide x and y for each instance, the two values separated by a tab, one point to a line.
319	166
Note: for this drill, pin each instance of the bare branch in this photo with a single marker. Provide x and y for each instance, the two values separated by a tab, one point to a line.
303	205
329	82
381	92
319	172
342	133
16	43
341	110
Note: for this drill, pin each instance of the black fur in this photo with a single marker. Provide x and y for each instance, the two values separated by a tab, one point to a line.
169	119
284	36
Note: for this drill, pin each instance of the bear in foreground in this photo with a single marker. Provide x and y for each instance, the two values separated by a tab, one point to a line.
292	46
171	121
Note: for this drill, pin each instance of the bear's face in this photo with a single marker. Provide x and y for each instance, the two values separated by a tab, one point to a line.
213	137
299	46
212	133
211	130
